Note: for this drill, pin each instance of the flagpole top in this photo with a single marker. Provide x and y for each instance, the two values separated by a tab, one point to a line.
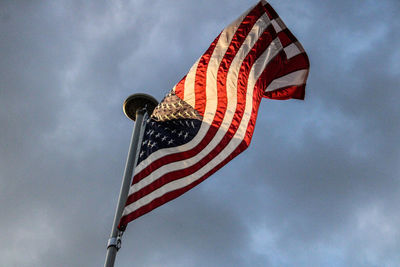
138	101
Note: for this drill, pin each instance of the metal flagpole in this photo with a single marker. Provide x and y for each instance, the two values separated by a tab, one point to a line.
135	107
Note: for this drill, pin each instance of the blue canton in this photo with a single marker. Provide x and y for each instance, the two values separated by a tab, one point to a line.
164	134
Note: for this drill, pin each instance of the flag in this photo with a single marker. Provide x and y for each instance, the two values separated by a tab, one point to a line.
208	118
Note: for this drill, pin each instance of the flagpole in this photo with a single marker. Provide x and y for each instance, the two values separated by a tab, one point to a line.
135	108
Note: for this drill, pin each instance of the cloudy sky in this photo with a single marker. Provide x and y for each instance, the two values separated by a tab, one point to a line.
319	185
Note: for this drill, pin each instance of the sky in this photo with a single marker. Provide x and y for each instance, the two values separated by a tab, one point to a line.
318	186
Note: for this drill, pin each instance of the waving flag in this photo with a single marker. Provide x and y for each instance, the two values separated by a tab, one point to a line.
209	116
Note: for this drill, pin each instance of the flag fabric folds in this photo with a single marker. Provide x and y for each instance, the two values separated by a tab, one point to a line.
208	118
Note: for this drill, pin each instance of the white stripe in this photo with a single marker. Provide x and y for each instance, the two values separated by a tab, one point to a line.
232	78
255	73
189	95
294	78
278	25
292	50
220	49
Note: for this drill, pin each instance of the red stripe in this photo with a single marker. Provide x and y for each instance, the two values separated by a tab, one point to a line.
257	96
201	78
284	93
237	40
295	63
286	37
180	87
270	12
259	47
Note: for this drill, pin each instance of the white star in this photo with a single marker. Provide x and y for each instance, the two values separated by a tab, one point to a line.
180	133
186	135
170	141
158	135
163	139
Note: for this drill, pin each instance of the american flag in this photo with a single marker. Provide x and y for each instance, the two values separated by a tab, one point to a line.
208	118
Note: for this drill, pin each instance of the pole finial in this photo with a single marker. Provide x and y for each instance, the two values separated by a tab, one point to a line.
139	101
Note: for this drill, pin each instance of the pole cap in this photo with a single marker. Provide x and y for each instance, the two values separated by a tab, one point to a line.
139	101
